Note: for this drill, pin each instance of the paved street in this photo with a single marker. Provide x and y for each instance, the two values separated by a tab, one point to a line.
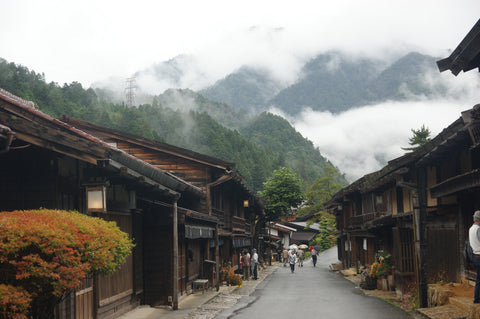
310	293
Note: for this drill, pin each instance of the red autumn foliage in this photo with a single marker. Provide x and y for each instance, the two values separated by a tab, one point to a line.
14	302
47	253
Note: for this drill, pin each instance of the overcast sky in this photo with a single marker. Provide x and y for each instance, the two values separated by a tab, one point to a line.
92	40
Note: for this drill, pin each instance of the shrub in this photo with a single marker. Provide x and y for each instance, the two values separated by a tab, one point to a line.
230	276
409	300
236	280
46	253
385	261
374	269
14	302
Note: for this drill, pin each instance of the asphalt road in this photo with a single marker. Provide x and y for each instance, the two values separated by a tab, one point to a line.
310	292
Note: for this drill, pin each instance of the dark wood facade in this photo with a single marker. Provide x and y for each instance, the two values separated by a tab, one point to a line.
47	163
420	206
224	197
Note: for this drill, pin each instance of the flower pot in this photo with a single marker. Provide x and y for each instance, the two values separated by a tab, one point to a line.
370	283
391	282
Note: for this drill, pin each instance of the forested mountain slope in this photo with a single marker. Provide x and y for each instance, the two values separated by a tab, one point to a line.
334	82
190	126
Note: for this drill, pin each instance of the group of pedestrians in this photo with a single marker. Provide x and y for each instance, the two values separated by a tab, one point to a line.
294	256
249	264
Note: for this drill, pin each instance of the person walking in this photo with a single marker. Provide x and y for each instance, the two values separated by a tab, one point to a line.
254	264
245	265
285	256
249	267
313	252
474	238
292	259
301	257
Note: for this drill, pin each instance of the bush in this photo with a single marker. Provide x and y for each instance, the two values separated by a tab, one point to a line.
233	279
46	253
386	264
374	269
14	302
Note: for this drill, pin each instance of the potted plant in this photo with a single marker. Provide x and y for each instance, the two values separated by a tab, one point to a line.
223	273
237	280
385	270
231	277
385	264
369	277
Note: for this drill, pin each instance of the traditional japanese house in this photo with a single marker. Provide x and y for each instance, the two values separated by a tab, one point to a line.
302	234
47	163
458	184
419	208
440	187
380	212
276	237
225	195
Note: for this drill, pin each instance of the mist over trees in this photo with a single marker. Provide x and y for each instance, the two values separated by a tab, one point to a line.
335	82
195	123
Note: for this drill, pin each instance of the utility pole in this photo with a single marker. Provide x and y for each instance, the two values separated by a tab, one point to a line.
130	87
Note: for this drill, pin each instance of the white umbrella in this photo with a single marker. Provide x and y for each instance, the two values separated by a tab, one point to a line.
293	246
303	246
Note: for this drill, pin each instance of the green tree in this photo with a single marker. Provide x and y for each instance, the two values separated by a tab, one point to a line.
325	238
320	192
420	137
283	190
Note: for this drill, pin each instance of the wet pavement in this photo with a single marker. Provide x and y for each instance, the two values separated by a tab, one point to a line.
203	305
311	292
315	292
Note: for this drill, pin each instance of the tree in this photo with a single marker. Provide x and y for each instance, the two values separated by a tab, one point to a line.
282	190
325	238
320	192
420	137
44	254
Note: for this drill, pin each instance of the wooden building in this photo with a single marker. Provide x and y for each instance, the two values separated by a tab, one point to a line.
47	163
225	196
420	206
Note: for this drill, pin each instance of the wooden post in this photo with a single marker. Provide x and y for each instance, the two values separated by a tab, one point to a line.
175	256
420	228
217	259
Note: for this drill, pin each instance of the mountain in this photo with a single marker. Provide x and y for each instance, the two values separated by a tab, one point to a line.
405	79
186	100
329	82
247	89
178	117
276	133
335	82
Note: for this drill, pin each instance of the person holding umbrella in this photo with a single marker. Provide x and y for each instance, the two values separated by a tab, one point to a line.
313	252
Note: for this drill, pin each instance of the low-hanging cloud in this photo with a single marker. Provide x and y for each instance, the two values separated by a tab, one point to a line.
363	140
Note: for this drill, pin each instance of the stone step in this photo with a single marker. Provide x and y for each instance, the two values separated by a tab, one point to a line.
448	311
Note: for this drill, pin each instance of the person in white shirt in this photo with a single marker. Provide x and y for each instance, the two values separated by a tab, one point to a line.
292	259
254	264
474	238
